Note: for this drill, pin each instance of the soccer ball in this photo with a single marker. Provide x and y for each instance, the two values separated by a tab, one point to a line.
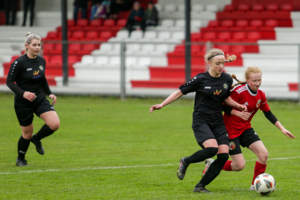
264	184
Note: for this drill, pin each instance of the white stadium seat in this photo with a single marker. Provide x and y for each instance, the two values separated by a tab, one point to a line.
135	35
101	61
158	7
144	62
181	8
121	35
148	36
196	24
87	60
130	61
170	8
163	36
197	8
114	61
133	48
147	48
212	8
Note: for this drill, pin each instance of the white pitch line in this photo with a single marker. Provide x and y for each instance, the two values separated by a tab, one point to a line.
120	167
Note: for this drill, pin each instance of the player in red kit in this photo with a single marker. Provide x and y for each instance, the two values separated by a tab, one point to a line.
239	127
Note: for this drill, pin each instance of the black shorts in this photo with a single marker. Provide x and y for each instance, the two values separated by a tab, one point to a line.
247	138
205	131
25	110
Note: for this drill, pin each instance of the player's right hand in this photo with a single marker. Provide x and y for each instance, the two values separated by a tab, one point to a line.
244	115
29	96
155	107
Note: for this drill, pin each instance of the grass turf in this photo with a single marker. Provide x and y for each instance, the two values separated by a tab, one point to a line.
112	149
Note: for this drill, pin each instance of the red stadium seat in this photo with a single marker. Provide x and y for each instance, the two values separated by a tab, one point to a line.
88	48
57	49
227	23
51	35
258	7
77	35
109	23
195	50
255	24
179	49
92	35
82	22
105	35
238	37
74	48
195	37
94	24
229	8
213	24
55	60
209	36
253	37
223	37
272	7
243	7
240	25
121	23
47	58
72	60
287	7
237	49
271	23
48	47
225	48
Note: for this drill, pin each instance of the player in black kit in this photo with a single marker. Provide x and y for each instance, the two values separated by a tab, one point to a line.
31	88
212	90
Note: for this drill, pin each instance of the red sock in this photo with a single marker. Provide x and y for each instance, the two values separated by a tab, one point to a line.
258	169
227	166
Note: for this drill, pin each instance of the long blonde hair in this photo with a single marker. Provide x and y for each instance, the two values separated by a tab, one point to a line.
29	37
248	71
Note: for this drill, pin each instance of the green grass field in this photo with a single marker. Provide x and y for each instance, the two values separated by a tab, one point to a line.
112	149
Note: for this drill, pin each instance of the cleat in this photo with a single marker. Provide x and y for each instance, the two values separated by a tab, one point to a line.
207	165
252	188
21	163
201	189
181	169
38	146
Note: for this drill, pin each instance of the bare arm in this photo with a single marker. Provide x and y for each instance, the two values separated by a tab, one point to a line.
175	95
283	130
230	102
241	114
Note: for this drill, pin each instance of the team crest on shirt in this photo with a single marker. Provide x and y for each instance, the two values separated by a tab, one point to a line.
217	92
41	68
35	73
232	145
225	86
258	103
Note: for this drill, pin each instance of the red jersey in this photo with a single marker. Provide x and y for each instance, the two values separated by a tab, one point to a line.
242	94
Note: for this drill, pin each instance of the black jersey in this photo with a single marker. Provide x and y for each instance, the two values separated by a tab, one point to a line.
29	75
210	95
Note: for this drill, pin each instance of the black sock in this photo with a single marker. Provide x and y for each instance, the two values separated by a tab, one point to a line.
201	155
23	145
45	131
214	169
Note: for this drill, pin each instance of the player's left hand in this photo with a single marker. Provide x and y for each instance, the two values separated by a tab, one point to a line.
53	97
288	134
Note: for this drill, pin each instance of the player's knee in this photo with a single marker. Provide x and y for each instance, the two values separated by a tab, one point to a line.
263	156
54	125
211	151
238	166
27	135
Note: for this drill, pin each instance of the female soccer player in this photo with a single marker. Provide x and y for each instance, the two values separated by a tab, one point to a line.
239	128
212	90
31	88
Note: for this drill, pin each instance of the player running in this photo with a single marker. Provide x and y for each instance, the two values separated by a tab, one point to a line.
212	90
31	88
239	128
